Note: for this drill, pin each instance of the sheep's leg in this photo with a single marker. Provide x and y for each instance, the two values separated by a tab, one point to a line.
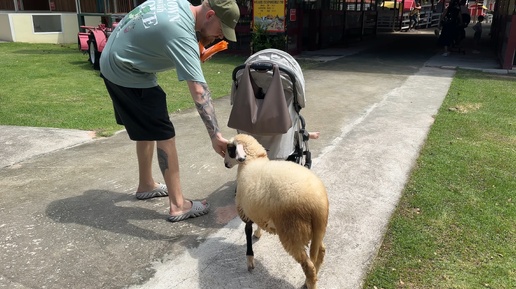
317	248
249	239
297	250
308	268
320	258
258	232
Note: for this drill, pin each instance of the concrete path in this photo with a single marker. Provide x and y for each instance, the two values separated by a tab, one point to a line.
69	218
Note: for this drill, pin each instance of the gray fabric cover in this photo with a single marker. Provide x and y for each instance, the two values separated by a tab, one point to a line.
257	112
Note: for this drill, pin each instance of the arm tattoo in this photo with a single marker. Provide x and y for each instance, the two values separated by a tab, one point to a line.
162	160
207	111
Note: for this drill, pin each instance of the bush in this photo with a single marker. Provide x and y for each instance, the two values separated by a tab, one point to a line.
262	39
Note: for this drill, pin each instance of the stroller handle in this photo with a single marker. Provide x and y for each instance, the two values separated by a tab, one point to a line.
265	66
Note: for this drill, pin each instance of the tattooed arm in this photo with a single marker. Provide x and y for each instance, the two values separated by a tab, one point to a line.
203	102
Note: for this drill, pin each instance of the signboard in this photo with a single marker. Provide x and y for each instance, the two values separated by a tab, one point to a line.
292	15
269	14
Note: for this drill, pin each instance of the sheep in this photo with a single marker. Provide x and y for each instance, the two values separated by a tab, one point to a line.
282	198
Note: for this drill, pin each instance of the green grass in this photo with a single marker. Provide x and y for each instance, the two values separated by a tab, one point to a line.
45	85
455	225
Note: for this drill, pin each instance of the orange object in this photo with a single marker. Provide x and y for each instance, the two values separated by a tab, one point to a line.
206	53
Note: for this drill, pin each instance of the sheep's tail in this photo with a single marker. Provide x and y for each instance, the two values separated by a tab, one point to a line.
317	248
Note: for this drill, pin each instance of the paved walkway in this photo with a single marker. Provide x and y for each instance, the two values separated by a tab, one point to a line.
69	218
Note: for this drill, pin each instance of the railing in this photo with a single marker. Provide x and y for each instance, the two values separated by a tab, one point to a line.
388	20
108	6
7	5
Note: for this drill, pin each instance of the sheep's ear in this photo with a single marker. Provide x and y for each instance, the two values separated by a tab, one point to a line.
240	153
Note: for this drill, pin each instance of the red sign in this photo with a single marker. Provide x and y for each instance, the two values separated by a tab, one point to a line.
292	15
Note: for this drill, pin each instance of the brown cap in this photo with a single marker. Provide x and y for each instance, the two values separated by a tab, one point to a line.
228	13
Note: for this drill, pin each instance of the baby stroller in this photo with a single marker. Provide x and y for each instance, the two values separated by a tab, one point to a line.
267	94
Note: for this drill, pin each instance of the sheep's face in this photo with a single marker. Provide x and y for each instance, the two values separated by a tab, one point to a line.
235	154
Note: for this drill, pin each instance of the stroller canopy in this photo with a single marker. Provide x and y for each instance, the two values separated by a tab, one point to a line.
285	61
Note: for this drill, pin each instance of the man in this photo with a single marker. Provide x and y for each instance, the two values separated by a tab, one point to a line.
451	20
160	35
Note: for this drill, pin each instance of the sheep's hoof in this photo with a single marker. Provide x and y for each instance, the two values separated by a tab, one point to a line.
310	286
258	233
250	263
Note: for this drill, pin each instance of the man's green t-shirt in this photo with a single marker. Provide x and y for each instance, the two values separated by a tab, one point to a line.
156	36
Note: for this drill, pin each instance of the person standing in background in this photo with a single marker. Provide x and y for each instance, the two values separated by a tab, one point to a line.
414	16
451	20
478	34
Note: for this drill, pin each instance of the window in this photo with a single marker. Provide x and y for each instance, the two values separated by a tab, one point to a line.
47	23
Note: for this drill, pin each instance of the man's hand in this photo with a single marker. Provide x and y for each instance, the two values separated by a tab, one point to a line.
219	144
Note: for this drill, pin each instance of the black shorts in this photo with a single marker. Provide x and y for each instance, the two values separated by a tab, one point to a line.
143	112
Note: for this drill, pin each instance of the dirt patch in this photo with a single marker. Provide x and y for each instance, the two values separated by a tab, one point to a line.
466	108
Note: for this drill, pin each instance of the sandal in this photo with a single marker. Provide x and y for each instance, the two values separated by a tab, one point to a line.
160	191
197	210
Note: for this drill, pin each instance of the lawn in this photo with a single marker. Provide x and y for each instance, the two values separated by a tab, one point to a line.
455	225
55	86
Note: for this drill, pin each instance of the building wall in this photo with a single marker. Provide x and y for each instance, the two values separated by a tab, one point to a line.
19	27
5	28
92	20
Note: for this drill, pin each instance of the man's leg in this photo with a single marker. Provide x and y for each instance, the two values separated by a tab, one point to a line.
144	152
169	165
